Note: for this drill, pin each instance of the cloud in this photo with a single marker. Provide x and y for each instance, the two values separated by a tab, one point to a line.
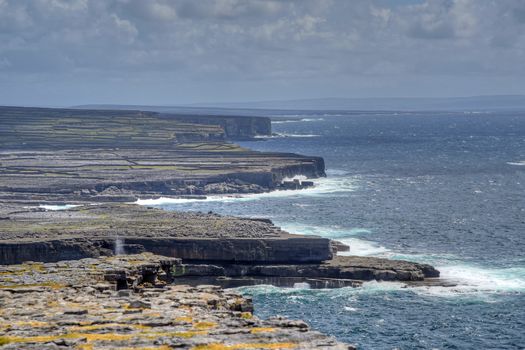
518	11
312	46
229	9
122	29
432	20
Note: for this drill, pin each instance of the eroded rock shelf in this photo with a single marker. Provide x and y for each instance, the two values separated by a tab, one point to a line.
127	302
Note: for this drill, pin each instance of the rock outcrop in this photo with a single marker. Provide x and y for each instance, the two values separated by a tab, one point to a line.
235	127
224	250
91	231
341	271
128	302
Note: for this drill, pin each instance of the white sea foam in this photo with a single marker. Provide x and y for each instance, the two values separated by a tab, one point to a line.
348	236
266	289
336	172
518	163
485	279
119	246
361	247
301	205
297	177
358	246
321	187
297	120
284	134
58	207
284	121
471	281
335	232
468	279
376	286
312	119
350	308
169	200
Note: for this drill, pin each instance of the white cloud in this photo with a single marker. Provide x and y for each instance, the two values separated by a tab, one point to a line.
274	41
124	30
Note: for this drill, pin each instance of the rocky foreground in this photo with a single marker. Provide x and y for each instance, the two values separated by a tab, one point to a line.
129	302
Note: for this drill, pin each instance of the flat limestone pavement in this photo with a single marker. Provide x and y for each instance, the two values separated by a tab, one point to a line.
128	302
92	231
50	154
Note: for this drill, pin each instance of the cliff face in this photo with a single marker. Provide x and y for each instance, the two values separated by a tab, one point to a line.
221	250
224	250
91	231
311	167
235	127
126	174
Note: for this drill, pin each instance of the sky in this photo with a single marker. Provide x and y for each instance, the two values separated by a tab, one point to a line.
177	52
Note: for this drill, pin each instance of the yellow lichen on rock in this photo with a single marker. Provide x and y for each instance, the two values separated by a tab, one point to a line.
94	327
218	346
246	315
91	313
204	325
185	319
262	330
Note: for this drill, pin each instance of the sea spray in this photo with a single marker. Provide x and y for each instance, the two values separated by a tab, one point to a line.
57	207
119	246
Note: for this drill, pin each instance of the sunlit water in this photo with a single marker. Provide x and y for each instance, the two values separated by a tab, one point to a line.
445	189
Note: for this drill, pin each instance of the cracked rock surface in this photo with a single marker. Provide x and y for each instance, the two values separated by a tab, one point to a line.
129	302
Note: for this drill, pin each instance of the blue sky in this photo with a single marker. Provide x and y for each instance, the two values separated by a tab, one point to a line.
67	52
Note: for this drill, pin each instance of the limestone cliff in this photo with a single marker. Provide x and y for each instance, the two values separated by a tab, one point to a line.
235	127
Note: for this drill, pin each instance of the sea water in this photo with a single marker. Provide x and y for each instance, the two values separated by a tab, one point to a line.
441	188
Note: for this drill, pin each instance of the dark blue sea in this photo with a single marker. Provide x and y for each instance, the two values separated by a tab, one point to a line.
441	188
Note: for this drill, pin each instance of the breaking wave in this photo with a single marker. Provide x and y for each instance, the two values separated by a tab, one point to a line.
518	163
321	186
297	120
58	207
466	278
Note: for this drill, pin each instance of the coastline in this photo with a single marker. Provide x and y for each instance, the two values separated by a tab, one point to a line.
41	171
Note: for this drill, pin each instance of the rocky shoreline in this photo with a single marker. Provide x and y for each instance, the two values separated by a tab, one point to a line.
227	250
129	302
99	159
67	155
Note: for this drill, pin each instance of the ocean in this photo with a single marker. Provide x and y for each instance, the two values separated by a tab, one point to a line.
441	188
